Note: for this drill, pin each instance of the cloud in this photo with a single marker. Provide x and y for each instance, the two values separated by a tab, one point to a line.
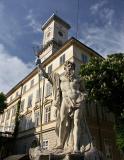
101	34
32	22
102	13
12	70
95	7
103	40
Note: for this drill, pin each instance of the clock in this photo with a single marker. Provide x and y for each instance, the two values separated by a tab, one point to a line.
60	33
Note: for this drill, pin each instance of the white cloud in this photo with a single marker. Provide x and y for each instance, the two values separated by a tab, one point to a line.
94	8
102	35
12	69
104	40
32	22
102	13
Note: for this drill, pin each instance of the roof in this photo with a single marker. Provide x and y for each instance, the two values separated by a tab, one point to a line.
69	42
55	17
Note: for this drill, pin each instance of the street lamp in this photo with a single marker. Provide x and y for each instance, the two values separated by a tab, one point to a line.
38	62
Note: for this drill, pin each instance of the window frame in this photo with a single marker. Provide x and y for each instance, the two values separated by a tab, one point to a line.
37	118
24	89
31	83
48	89
30	100
62	59
50	69
47	114
45	147
22	104
84	58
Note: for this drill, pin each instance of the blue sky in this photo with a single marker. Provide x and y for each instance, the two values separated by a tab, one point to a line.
101	27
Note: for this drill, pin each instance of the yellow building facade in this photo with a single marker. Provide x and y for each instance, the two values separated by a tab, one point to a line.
56	50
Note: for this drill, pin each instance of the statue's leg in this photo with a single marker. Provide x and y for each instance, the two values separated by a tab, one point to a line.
62	129
76	131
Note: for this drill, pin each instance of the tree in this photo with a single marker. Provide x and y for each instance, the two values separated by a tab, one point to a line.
105	84
3	103
17	120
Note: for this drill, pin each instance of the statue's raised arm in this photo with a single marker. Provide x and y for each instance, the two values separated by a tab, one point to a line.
39	64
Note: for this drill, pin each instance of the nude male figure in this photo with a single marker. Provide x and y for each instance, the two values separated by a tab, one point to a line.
70	106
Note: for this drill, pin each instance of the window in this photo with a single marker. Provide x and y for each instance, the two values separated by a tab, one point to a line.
37	95
7	114
84	58
14	111
22	124
30	98
62	59
17	93
25	123
24	89
48	89
60	33
22	105
45	144
47	114
32	83
28	124
50	69
37	118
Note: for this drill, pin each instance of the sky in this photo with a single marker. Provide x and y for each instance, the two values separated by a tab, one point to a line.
100	27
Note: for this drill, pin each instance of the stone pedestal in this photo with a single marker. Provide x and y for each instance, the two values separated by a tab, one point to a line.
62	157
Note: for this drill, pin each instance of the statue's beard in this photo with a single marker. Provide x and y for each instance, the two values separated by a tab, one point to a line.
69	75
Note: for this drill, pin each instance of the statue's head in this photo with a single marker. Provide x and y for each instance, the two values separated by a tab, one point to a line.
69	66
34	143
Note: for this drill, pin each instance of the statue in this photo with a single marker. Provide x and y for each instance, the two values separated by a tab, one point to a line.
69	95
35	150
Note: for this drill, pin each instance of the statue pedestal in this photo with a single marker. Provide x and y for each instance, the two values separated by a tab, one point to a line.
62	157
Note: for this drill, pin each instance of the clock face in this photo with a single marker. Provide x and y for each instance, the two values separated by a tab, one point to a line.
60	33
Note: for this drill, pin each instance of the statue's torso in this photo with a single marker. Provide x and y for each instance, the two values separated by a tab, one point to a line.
69	88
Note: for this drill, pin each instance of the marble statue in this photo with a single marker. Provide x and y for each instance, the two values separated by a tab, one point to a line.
69	96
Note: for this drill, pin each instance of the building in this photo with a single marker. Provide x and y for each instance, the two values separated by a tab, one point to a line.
56	49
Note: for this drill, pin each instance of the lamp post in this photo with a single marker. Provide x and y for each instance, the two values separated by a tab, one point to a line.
38	62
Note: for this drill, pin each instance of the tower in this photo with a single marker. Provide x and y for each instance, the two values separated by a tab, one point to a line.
55	34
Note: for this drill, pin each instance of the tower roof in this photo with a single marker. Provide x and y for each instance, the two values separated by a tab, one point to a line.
55	17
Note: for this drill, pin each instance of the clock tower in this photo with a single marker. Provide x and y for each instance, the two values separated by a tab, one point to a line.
55	34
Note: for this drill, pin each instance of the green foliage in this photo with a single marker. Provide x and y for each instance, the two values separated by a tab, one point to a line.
17	120
105	81
2	102
120	134
105	84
